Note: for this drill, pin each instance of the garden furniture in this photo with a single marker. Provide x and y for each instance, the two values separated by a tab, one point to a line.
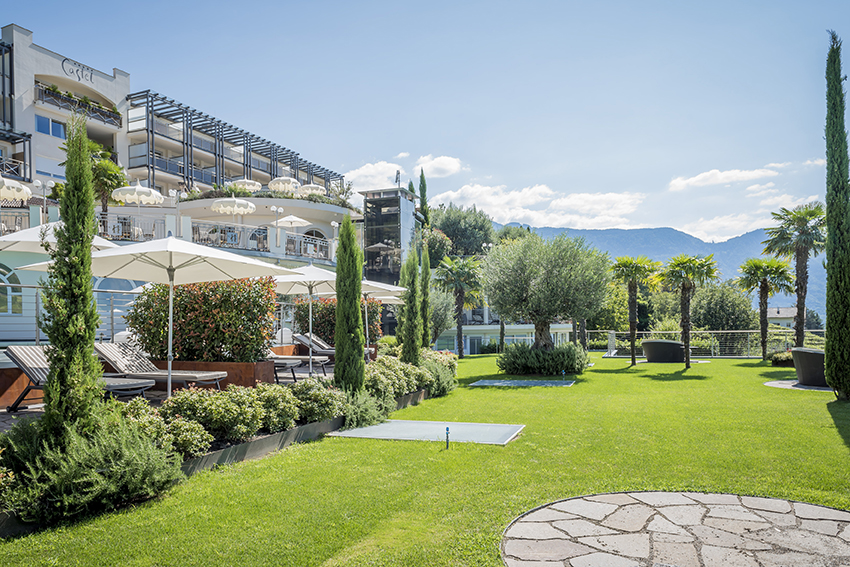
132	363
809	365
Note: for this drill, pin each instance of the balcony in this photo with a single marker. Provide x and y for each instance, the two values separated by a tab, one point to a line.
13	221
176	167
226	235
71	104
13	168
307	246
129	228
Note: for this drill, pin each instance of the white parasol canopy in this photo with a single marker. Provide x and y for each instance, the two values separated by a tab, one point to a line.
138	194
233	206
29	240
284	184
248	185
312	188
172	261
11	190
312	281
291	221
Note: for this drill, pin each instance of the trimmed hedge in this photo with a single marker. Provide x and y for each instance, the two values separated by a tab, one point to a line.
520	359
226	321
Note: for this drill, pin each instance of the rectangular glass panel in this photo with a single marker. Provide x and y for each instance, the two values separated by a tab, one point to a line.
42	124
4	299
58	130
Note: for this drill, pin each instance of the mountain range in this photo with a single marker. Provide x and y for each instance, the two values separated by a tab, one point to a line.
663	243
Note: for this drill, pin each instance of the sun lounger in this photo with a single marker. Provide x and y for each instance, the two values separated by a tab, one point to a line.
32	360
291	362
130	362
317	345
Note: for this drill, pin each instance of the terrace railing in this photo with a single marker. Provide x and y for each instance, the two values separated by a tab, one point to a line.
12	168
301	245
13	221
226	235
125	227
71	104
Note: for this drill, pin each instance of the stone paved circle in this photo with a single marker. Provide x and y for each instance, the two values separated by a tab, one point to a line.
678	529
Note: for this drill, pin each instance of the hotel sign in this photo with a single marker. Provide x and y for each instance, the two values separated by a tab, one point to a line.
77	71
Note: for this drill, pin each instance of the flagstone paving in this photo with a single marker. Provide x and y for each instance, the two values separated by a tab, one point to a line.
678	529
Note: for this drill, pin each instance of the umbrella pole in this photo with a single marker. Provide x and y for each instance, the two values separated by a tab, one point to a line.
310	289
170	323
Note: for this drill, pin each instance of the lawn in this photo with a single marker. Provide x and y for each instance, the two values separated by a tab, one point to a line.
713	428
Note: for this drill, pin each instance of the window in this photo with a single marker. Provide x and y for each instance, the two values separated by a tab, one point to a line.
48	126
42	124
11	298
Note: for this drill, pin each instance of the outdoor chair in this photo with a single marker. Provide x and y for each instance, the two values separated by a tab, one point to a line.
314	343
132	363
32	360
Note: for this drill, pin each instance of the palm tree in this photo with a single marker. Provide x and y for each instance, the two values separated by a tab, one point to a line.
801	233
769	276
634	272
460	276
684	273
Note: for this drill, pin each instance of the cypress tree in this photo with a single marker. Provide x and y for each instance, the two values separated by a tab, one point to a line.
348	335
70	317
425	291
423	199
411	322
837	358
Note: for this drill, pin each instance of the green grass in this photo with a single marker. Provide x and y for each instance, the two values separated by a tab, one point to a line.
713	428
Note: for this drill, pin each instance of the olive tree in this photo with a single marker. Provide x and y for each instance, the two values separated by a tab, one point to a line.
545	281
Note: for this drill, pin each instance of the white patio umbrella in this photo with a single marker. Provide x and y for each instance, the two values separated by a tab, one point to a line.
291	221
11	190
284	184
248	185
139	195
29	240
312	281
233	206
312	188
173	261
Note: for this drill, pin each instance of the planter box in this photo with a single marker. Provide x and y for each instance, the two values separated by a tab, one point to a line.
411	399
809	364
11	526
659	350
285	350
240	373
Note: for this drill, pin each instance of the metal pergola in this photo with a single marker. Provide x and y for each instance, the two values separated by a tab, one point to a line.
192	120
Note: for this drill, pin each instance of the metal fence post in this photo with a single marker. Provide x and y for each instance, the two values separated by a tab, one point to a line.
111	317
37	311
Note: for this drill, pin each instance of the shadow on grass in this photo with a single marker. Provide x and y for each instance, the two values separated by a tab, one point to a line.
840	412
657	371
467	382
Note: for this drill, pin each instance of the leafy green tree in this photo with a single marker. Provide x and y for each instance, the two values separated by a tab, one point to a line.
613	315
348	336
511	233
685	273
423	199
634	272
442	312
425	290
106	174
837	363
722	306
439	245
468	229
813	320
769	276
545	281
410	332
70	316
800	234
462	278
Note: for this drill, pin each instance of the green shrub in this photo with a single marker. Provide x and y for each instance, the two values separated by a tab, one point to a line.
280	407
443	379
388	375
781	358
389	350
226	321
233	414
114	465
7	480
521	359
324	318
388	340
444	357
318	401
362	410
189	438
490	347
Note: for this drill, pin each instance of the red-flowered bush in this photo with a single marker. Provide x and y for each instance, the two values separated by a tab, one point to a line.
228	321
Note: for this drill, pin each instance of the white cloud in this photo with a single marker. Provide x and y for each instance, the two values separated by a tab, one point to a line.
441	166
778	165
615	204
577	210
379	175
819	161
787	201
725	227
717	177
761	190
402	155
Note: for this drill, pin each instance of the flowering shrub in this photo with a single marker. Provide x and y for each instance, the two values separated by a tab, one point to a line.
324	317
318	401
280	407
389	376
443	357
226	321
228	415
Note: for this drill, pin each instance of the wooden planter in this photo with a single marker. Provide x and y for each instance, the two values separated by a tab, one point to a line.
240	373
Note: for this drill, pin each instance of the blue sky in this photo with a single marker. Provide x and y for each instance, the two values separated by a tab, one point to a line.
702	116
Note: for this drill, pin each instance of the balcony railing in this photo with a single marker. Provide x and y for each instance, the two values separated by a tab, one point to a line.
13	168
71	104
177	168
135	228
308	246
226	235
13	221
